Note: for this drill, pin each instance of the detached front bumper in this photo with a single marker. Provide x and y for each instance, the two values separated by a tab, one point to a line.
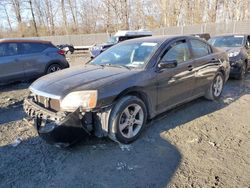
59	129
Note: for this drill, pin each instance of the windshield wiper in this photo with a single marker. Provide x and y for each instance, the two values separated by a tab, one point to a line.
121	66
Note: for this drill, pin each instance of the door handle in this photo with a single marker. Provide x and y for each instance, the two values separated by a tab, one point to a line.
190	67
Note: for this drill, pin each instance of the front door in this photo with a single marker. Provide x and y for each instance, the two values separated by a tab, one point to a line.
175	85
10	67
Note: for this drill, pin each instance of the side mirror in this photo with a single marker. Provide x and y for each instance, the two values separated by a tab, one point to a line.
167	64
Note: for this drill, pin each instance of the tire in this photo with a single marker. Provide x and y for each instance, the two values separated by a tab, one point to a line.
125	127
242	73
53	68
215	89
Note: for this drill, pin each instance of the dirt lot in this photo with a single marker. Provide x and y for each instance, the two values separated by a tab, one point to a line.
200	144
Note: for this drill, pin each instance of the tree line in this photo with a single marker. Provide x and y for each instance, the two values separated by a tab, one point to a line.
25	18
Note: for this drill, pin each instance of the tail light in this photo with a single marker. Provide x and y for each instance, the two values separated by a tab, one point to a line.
61	52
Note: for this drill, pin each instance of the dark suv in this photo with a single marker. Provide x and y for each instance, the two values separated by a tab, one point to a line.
23	59
238	49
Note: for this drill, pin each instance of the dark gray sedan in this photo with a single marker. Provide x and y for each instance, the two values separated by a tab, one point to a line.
24	59
116	93
238	50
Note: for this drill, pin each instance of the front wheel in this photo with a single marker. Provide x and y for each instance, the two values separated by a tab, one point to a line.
127	119
216	87
53	68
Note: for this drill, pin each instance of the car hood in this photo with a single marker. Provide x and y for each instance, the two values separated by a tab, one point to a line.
230	49
89	77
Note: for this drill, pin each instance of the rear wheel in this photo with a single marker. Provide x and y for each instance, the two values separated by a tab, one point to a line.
53	68
127	119
216	87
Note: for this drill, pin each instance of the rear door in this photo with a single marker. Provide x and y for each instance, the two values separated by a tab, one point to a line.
11	68
33	59
175	85
205	65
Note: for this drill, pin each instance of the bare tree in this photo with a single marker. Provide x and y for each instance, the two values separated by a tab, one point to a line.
73	13
16	6
64	16
33	16
3	5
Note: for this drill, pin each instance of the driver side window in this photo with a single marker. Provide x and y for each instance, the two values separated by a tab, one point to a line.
177	51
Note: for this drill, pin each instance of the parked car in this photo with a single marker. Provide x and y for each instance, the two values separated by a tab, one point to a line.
118	37
118	91
205	36
67	48
22	59
238	49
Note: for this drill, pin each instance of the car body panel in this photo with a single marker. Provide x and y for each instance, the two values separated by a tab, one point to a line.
11	68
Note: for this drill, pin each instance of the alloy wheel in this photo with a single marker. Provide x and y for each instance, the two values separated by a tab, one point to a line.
131	120
218	86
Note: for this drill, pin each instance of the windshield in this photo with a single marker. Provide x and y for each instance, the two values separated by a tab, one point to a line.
113	39
129	55
227	41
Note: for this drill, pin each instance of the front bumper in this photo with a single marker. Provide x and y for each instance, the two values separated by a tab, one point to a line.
59	129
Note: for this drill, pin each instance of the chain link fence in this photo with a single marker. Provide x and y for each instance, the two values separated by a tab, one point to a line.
212	28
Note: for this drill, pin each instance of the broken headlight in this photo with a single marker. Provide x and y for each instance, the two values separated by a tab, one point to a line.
233	54
79	99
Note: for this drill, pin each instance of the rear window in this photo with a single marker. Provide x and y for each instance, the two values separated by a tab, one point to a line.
29	48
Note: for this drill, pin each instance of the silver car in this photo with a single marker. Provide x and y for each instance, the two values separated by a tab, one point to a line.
24	59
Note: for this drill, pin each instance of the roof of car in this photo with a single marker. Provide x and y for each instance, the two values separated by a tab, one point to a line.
229	34
140	32
24	40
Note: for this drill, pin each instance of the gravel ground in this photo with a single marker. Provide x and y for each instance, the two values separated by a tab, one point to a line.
200	144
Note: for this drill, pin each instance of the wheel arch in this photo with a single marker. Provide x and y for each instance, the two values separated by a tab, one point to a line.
138	92
223	72
51	63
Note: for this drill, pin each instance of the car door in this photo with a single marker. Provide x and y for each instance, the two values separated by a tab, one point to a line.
32	58
205	65
11	68
175	84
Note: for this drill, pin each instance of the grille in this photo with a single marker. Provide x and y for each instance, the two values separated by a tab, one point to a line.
47	103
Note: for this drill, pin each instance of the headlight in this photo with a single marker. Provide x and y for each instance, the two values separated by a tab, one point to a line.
233	54
84	99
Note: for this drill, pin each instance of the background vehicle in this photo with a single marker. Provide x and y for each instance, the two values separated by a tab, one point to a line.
67	48
118	37
22	59
205	36
238	49
118	91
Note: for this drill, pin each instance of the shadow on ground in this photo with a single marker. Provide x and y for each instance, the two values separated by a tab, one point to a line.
14	86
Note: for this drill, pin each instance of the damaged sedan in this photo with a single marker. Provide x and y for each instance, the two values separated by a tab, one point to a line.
117	92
